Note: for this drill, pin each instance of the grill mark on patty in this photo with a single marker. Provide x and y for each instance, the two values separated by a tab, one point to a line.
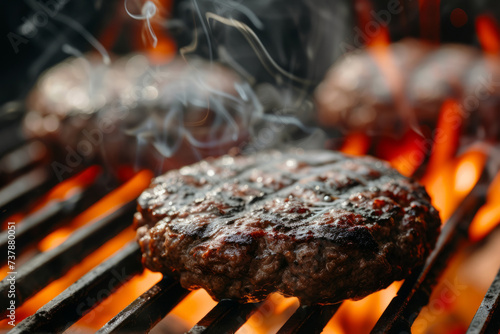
313	170
232	226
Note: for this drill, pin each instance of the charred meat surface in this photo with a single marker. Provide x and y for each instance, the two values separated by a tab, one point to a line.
318	225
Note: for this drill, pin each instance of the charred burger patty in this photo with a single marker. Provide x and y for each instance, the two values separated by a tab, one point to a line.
318	225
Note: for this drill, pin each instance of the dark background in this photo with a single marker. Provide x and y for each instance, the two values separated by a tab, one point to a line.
304	38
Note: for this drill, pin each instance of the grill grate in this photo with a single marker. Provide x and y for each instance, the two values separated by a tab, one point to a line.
64	310
227	316
487	318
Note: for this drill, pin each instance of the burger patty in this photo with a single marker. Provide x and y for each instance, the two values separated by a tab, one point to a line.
318	225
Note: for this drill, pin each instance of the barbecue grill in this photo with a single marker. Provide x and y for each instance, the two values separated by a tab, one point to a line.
39	270
75	250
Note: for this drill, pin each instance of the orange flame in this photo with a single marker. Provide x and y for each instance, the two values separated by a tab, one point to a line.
59	285
117	301
360	316
405	154
447	134
105	205
367	22
192	308
488	217
62	191
449	184
271	315
488	34
356	143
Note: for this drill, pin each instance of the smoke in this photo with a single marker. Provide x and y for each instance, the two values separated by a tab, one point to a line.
148	12
286	43
269	104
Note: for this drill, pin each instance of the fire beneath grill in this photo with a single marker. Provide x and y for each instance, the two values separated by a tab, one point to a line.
79	267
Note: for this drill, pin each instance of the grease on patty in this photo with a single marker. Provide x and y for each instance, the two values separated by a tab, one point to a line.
318	225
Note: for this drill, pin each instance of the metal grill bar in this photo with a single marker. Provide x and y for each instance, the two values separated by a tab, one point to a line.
22	159
16	194
309	319
34	227
50	265
86	293
487	318
226	317
416	290
147	310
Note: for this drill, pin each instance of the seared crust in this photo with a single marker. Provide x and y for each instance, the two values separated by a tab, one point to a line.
318	225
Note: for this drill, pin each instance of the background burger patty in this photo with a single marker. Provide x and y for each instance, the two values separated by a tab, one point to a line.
318	225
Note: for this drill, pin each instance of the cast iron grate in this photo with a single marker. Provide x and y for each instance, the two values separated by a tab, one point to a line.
227	316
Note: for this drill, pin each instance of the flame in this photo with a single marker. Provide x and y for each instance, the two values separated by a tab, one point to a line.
488	34
381	39
105	205
59	285
366	22
488	217
67	188
448	180
117	301
459	291
192	308
360	316
59	193
449	184
447	134
62	191
405	154
356	143
271	315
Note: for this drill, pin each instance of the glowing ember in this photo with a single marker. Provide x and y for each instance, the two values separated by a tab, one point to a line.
375	34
